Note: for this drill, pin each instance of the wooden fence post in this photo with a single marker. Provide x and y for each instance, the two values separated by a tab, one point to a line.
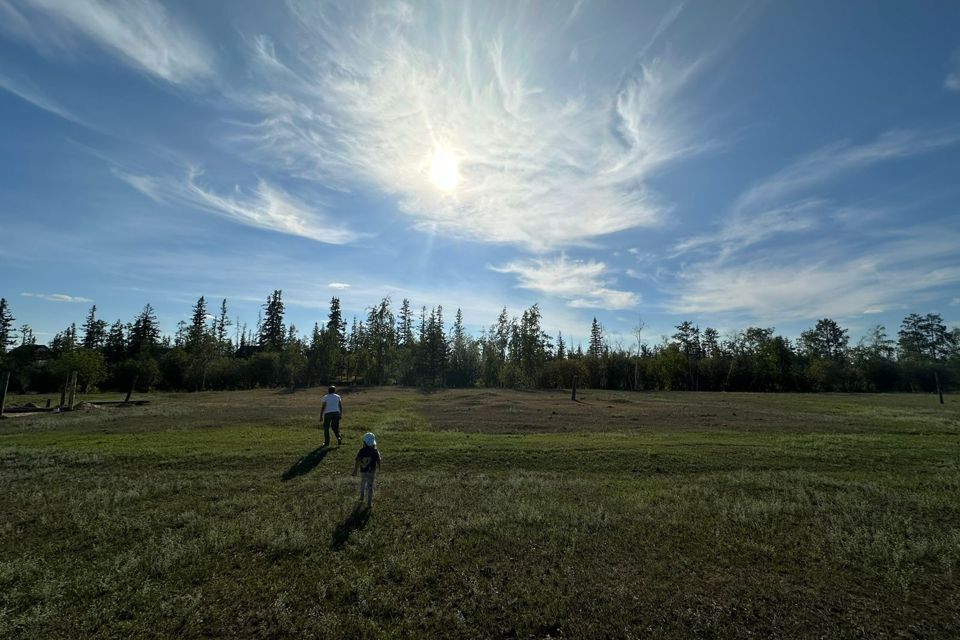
4	381
63	393
573	394
939	388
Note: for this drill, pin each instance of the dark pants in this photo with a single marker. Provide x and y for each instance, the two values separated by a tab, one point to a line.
331	419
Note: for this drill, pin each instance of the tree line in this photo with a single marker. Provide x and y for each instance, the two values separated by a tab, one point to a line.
417	348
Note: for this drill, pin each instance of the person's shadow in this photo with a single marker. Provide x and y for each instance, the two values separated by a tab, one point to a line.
306	464
357	520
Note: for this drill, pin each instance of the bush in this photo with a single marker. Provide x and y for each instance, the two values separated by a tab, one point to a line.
263	369
145	369
88	363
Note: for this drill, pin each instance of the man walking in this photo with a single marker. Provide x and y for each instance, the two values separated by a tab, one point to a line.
331	410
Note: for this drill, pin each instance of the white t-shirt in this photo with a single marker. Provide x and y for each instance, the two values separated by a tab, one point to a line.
333	403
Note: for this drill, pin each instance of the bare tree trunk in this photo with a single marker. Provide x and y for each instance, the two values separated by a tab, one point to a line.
133	385
936	379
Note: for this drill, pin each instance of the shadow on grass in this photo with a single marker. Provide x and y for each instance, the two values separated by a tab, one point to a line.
306	464
357	520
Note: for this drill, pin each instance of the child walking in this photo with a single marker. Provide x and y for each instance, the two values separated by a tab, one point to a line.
368	462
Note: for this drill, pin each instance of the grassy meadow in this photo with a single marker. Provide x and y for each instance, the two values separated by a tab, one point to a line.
499	514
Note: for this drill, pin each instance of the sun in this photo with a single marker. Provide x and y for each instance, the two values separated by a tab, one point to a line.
444	170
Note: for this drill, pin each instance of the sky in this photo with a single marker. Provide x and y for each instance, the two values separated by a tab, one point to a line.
733	164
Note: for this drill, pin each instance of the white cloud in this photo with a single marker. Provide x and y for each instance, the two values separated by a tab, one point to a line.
955	302
776	207
741	230
581	283
26	91
782	254
790	284
56	297
339	285
828	163
141	32
264	206
367	96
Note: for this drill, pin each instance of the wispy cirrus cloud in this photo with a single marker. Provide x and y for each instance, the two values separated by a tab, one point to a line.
142	33
25	90
338	285
371	92
583	284
833	284
828	163
760	262
56	297
263	206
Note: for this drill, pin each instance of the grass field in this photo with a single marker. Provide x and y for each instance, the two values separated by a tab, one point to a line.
498	514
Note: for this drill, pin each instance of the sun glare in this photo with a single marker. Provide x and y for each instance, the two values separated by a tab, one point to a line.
444	170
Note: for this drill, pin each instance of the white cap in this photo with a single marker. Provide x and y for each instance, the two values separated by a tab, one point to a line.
369	439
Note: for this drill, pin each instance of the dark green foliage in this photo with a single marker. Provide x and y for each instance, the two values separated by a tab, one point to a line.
65	341
464	365
380	343
6	327
220	325
272	331
926	338
516	352
335	340
143	336
89	364
263	370
116	343
94	330
144	370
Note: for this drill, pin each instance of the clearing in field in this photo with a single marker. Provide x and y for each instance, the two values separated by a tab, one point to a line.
498	514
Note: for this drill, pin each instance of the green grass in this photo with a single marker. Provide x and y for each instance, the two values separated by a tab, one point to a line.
498	514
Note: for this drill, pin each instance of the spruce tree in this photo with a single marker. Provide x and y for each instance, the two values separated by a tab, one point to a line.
436	347
381	340
272	332
65	341
335	340
6	326
144	333
405	328
115	347
220	325
94	330
464	359
596	348
197	333
26	335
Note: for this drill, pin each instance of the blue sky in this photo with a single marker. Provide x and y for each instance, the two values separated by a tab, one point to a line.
729	163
